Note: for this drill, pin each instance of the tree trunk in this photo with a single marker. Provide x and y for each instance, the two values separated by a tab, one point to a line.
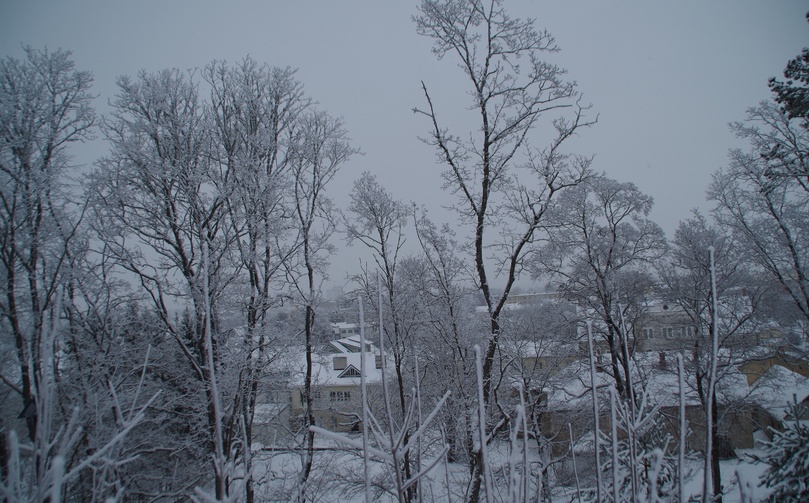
716	473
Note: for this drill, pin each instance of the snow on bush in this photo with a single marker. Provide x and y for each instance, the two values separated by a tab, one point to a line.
788	457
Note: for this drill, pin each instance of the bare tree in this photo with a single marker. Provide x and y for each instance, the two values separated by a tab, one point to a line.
253	113
686	282
320	150
161	199
601	251
538	350
77	410
763	197
43	469
448	334
45	105
377	220
504	188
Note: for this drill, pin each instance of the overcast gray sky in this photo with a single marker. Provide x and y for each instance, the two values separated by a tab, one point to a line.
664	77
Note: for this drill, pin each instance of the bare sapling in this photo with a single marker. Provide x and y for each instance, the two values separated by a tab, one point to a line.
707	481
483	470
392	444
56	460
596	428
683	431
573	457
364	398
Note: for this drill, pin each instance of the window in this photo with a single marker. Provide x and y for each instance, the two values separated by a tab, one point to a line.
339	396
340	362
668	332
648	333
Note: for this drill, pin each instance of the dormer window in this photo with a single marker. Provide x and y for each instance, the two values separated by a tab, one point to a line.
351	371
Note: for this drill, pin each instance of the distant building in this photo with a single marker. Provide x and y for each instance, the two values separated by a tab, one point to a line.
664	327
336	383
752	403
343	329
336	388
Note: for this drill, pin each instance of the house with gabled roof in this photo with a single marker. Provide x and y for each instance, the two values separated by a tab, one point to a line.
336	382
336	388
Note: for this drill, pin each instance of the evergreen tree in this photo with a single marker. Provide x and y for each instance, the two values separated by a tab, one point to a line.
793	94
788	457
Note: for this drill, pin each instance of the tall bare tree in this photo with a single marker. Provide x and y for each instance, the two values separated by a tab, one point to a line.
377	220
439	279
504	187
253	113
161	199
763	196
73	445
45	105
320	149
601	251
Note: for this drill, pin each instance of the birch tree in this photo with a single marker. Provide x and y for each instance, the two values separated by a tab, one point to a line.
504	187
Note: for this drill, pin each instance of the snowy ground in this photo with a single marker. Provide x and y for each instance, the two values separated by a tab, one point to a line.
338	475
749	474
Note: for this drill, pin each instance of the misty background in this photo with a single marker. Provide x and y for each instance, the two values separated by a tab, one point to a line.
665	78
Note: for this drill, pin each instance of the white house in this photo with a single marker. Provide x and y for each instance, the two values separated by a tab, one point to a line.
336	386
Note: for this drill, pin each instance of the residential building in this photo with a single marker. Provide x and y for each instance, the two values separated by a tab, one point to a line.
336	387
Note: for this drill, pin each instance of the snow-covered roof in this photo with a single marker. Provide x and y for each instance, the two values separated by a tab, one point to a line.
343	324
570	389
323	365
780	387
324	373
350	344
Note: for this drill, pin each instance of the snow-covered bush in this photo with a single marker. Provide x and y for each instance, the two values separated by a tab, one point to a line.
788	457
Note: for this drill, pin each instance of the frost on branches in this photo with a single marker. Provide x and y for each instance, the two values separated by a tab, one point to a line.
788	457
